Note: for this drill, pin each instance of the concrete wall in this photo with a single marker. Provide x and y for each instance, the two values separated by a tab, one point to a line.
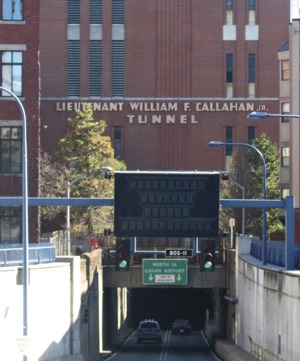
53	312
268	309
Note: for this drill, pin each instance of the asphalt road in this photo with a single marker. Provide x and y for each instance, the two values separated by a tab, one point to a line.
173	348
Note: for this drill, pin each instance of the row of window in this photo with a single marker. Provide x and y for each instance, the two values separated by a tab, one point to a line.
230	74
230	4
96	14
117	55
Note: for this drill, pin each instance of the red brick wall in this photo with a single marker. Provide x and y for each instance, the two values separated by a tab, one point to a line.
174	52
27	34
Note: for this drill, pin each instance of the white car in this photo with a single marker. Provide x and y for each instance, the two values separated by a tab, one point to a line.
149	330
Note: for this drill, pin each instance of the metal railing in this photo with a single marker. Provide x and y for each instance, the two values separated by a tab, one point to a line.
276	252
12	254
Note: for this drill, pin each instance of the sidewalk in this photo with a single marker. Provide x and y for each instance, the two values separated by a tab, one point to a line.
229	352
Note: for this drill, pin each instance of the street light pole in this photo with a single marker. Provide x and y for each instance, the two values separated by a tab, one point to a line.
107	171
242	188
264	240
24	213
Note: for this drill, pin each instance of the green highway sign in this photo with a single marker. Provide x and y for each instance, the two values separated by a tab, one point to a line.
170	272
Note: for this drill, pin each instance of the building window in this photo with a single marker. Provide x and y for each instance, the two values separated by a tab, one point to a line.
12	10
11	71
229	75
229	12
118	14
285	70
228	139
229	4
251	74
251	68
285	109
285	192
10	225
95	68
11	150
118	142
118	66
73	11
95	11
285	156
251	4
73	68
251	134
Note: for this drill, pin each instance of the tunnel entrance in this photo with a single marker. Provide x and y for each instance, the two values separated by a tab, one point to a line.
168	304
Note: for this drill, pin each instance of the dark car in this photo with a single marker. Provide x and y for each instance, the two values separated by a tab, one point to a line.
149	330
181	326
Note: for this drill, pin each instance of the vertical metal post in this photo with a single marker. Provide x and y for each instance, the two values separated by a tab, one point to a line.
68	243
290	232
24	213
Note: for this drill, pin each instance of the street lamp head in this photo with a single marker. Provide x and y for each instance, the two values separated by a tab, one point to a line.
258	115
107	172
215	143
106	169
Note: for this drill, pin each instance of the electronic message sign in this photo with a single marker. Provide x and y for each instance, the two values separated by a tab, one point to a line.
166	204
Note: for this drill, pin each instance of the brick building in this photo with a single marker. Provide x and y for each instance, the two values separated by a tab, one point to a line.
19	48
167	76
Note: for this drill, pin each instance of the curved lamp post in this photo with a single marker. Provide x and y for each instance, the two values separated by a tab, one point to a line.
264	115
24	212
264	240
107	171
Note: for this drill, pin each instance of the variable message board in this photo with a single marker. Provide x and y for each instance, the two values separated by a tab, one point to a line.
166	204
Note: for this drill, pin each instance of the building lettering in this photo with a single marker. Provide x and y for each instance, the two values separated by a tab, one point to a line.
154	107
162	119
159	107
225	107
101	107
150	112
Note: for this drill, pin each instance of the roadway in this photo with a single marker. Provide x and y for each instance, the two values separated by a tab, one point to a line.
173	348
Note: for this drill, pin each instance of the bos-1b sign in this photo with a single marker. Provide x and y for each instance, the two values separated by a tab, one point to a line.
165	272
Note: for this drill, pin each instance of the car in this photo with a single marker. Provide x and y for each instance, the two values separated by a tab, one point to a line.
181	326
149	330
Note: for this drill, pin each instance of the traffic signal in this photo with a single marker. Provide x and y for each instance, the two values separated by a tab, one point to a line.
122	255
208	256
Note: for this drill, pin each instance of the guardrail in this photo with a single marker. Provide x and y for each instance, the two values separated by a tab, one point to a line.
12	254
276	252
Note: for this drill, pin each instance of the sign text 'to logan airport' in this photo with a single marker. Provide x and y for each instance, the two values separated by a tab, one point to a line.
165	272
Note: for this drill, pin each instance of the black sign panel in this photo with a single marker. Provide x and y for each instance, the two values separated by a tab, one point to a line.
179	252
166	204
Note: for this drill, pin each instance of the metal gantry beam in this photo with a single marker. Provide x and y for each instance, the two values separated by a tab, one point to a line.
43	201
288	204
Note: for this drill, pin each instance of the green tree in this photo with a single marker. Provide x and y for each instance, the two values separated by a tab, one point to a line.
81	153
246	169
53	179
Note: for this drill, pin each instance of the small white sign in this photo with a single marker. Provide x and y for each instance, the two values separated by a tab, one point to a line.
23	343
164	278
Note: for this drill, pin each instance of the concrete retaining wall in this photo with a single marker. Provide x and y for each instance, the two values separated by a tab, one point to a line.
268	311
53	312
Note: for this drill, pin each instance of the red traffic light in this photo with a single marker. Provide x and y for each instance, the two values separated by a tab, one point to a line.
123	255
123	247
208	256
